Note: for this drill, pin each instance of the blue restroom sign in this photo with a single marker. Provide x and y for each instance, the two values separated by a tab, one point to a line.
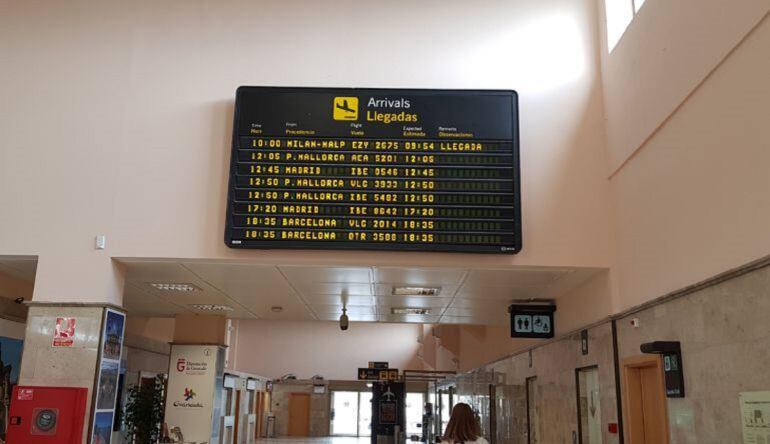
532	321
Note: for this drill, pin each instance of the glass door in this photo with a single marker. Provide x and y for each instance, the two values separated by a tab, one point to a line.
445	410
415	407
365	414
351	413
344	414
589	410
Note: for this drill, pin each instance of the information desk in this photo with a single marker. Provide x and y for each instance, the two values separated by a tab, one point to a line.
375	169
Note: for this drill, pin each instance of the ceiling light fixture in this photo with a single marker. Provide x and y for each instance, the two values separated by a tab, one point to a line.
211	307
409	311
276	309
179	287
416	291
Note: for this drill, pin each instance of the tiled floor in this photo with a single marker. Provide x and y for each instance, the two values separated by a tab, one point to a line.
323	440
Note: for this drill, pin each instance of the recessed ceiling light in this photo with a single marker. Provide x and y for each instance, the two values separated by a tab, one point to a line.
409	311
180	287
416	291
211	307
276	309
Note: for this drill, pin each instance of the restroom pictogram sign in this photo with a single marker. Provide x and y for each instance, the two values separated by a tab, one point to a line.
64	332
532	321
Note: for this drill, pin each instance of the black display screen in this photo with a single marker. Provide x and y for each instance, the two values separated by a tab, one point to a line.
375	169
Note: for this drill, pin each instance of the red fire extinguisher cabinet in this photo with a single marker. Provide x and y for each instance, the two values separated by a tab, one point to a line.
47	415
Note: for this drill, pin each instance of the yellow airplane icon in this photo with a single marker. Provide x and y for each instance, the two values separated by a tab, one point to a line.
346	108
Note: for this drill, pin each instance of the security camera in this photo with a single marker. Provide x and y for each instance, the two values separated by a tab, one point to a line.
344	322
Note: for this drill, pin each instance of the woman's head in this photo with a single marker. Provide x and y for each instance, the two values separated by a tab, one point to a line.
463	425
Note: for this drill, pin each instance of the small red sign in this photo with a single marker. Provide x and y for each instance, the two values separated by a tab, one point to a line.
64	334
25	394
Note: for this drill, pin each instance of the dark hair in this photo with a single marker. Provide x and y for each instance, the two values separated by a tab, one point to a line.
463	425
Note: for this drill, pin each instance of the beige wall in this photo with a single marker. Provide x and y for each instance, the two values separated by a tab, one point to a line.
147	346
130	108
155	329
463	348
691	202
666	52
275	348
191	328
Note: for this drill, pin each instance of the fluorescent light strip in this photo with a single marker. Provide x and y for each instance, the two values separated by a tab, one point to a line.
410	311
416	291
211	307
179	287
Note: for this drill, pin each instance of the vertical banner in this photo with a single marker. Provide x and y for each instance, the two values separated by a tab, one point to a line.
106	388
195	373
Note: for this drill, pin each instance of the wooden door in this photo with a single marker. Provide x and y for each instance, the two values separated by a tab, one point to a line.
644	400
259	410
237	416
299	414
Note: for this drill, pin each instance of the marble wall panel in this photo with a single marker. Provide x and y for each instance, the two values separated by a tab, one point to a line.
724	332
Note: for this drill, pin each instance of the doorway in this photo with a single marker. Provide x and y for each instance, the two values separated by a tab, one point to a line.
588	406
299	414
644	400
415	407
351	413
444	409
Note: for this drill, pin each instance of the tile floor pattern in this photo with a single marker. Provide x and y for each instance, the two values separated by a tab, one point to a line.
319	440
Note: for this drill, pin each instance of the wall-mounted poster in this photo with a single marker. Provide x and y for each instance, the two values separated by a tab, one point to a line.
755	417
10	360
106	390
64	332
113	335
102	428
108	381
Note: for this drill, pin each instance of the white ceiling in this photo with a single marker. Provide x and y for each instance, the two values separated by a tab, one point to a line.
467	296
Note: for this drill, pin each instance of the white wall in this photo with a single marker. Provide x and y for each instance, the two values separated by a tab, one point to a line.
116	119
306	349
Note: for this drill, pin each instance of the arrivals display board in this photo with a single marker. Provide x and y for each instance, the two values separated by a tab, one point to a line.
375	169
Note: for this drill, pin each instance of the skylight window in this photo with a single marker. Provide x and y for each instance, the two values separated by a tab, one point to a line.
619	14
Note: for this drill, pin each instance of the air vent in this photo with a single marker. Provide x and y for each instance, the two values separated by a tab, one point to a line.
178	287
416	291
410	311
